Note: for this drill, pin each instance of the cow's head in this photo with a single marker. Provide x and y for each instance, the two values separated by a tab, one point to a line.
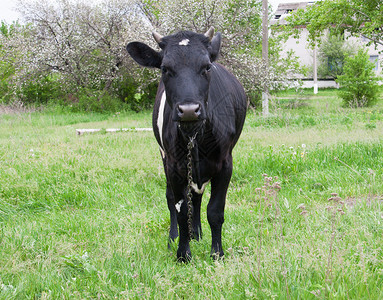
185	60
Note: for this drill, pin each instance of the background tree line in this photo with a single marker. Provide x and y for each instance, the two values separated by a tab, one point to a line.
73	52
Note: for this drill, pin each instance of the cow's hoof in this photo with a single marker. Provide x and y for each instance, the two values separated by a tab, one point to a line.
184	257
217	255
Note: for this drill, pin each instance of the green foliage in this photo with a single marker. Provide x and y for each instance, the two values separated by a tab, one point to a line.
248	24
40	90
125	88
96	101
359	83
332	52
357	16
5	91
7	68
6	30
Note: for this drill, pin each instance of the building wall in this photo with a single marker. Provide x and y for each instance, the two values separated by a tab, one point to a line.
304	51
373	51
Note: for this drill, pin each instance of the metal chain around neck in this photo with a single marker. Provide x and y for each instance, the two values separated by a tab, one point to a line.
189	186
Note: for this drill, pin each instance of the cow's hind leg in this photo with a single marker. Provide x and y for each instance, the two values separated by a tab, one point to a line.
216	206
197	228
173	232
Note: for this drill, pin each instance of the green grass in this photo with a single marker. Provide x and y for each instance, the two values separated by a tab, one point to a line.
86	216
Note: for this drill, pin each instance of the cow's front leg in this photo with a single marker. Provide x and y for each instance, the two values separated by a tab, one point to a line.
183	252
216	206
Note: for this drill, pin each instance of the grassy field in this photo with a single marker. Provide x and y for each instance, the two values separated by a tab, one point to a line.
85	217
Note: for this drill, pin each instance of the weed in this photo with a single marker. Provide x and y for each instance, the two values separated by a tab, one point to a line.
268	197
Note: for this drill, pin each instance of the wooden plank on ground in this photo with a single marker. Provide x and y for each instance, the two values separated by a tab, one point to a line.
89	130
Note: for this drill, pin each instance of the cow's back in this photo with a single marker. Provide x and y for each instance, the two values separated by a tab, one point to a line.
227	104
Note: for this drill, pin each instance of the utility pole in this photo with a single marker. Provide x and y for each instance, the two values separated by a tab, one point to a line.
315	69
265	55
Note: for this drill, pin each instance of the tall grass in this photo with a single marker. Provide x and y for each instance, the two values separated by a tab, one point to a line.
86	216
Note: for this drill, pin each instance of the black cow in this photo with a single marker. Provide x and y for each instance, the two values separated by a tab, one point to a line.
199	102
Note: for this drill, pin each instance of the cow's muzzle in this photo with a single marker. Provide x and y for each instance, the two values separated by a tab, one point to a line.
189	112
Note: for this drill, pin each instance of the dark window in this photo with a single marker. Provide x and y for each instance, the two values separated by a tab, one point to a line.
374	60
334	64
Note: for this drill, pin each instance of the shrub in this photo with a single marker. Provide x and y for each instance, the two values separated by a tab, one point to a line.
39	90
145	99
332	53
359	83
4	91
96	101
125	88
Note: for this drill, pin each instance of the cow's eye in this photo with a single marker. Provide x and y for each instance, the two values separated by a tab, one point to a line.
167	71
164	70
206	69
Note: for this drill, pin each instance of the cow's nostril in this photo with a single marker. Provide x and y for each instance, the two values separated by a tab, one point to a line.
189	112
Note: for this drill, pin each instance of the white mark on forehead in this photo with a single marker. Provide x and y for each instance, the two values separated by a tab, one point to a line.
160	118
184	42
178	205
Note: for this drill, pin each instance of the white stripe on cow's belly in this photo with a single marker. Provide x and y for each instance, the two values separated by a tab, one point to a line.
178	205
160	118
162	152
197	190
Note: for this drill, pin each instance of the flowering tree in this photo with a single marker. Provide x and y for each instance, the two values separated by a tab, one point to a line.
72	47
82	45
240	23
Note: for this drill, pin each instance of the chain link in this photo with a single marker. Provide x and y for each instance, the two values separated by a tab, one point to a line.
189	187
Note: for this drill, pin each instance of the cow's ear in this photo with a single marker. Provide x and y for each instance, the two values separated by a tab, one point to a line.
144	55
215	46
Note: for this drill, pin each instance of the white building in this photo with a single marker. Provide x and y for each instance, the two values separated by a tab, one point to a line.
305	52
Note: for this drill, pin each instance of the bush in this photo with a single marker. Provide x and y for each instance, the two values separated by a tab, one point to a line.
48	90
359	83
126	89
4	91
96	101
332	53
39	91
145	99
